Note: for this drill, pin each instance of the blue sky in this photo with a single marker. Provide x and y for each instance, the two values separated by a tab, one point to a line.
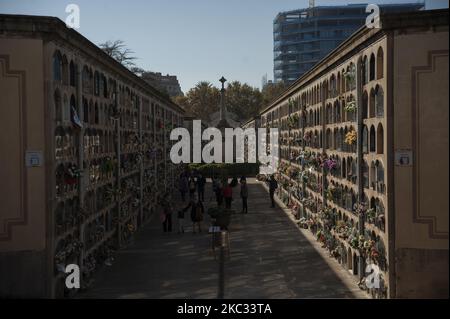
193	39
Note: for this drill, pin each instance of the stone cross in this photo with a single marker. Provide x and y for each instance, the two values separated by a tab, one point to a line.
223	110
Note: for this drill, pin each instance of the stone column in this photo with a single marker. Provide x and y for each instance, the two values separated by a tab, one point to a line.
223	110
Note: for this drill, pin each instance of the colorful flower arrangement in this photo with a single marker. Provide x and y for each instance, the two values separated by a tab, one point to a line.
350	137
370	215
320	236
304	177
326	213
71	174
312	222
303	157
303	223
330	164
355	241
292	172
342	229
360	208
336	252
307	136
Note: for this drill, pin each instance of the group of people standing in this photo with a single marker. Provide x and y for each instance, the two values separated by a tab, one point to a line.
195	208
194	185
224	192
191	184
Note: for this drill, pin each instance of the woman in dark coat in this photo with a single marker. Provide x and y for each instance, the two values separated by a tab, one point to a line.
197	212
183	186
192	187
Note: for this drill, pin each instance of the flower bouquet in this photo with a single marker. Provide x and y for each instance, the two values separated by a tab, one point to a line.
330	164
320	237
72	174
350	137
303	223
335	253
370	215
307	136
374	253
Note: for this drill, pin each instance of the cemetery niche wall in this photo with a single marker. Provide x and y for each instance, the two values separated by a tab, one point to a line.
99	142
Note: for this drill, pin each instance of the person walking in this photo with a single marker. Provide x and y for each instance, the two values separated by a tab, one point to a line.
167	211
217	189
234	182
273	185
228	195
244	195
192	187
183	186
160	209
180	214
197	212
201	181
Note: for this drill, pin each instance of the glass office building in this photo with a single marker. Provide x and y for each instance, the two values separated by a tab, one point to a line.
303	37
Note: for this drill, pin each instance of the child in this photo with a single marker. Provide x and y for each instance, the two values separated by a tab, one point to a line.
180	216
197	212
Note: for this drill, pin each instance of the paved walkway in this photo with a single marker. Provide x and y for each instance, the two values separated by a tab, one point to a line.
270	258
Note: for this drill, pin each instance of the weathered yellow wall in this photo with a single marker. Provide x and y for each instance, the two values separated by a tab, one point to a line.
22	189
421	125
22	123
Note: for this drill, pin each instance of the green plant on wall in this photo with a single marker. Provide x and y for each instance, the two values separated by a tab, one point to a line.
291	103
350	106
293	120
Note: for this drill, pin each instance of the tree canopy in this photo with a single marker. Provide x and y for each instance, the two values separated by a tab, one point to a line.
200	101
241	99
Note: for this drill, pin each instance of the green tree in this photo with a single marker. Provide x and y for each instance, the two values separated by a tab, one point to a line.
243	100
200	101
271	91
